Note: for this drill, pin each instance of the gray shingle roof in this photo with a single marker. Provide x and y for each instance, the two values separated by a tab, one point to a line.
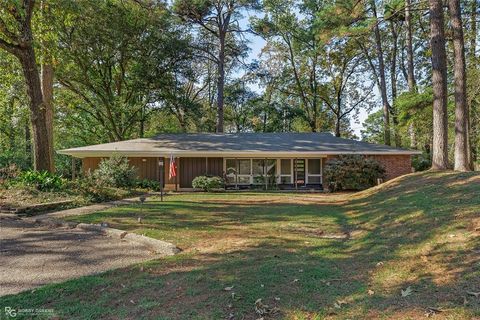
210	143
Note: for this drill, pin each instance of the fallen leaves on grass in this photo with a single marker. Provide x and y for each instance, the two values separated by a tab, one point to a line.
407	292
329	282
235	297
262	309
371	292
228	288
431	311
339	303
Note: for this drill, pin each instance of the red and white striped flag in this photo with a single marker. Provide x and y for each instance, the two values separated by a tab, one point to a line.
172	172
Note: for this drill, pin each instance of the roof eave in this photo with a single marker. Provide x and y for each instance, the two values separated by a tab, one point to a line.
223	154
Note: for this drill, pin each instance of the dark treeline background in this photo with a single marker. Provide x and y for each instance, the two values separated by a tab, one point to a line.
79	72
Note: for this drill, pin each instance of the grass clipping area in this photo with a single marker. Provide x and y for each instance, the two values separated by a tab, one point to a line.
408	249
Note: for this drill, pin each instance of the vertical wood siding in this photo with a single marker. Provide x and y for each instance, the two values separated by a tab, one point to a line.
90	164
190	168
215	167
147	169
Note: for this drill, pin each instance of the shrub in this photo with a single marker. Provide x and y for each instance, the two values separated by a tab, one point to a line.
41	180
115	172
148	184
93	191
352	172
207	183
421	162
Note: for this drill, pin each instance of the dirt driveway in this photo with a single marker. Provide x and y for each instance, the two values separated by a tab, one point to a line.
34	255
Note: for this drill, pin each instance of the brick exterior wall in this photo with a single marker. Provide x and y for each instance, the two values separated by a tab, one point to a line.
395	165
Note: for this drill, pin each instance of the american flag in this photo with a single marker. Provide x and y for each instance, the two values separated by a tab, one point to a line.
172	172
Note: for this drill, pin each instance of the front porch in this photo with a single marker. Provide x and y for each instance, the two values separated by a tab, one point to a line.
273	174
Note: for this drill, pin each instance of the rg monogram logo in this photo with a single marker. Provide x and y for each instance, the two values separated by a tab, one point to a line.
9	311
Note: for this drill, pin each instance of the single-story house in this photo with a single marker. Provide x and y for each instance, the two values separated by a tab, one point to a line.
290	160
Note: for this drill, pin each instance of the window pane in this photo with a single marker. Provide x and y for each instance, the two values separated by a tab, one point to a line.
257	166
286	166
231	166
313	166
244	166
314	179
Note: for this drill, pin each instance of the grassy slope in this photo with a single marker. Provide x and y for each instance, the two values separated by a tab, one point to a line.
421	231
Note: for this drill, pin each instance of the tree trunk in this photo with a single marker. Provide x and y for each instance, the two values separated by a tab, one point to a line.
28	142
11	124
393	83
473	30
472	141
221	83
413	136
461	110
412	85
383	85
21	46
142	123
337	127
46	74
41	146
47	92
439	84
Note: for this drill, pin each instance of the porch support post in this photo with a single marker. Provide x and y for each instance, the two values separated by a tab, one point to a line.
295	172
236	173
177	162
265	173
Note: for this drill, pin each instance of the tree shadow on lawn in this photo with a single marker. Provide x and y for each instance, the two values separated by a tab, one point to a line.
299	280
191	216
422	240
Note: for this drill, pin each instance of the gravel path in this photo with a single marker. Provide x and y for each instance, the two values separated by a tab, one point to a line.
34	255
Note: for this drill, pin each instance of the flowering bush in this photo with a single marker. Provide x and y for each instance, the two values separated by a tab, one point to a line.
207	183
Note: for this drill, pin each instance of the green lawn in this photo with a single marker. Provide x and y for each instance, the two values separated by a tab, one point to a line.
306	256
